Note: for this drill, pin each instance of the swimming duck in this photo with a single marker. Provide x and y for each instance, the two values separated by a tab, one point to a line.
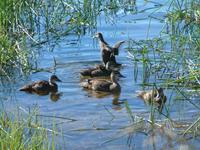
99	70
156	95
42	86
108	53
103	84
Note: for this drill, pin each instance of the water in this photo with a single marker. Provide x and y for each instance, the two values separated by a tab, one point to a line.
100	124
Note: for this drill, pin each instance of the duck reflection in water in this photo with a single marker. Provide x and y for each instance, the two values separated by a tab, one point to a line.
44	87
155	96
116	102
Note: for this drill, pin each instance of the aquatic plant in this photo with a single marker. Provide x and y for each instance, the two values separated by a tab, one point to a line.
176	52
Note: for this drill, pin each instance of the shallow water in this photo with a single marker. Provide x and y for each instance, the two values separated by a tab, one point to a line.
100	123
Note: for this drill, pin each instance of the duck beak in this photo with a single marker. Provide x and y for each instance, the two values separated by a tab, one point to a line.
94	36
121	76
58	80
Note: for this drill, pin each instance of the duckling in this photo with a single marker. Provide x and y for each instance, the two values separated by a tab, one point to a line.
42	86
103	84
108	53
156	95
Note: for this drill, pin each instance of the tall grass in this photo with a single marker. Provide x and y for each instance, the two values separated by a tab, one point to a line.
19	133
15	23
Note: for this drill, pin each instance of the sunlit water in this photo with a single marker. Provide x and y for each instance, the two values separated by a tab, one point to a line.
100	124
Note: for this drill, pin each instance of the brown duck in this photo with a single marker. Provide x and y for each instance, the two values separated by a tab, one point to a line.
156	95
103	84
42	86
99	70
108	53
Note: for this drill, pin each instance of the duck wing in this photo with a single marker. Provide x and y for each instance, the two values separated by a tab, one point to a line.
115	48
89	71
100	72
41	86
101	85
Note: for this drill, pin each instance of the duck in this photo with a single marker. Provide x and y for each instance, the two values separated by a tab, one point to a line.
155	96
98	71
108	53
42	87
103	85
101	70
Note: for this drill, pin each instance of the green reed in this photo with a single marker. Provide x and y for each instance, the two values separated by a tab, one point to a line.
36	22
172	60
19	133
176	52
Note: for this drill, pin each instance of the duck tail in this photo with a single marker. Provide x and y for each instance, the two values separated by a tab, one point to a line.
26	88
86	72
140	94
86	84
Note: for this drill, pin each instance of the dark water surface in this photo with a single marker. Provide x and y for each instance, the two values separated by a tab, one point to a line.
100	124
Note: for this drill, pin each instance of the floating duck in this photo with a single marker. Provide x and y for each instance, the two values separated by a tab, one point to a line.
103	84
42	87
99	70
108	53
156	95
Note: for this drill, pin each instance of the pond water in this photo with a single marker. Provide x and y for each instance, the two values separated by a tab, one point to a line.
100	123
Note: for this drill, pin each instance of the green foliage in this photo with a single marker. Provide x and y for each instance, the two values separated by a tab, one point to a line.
16	133
23	22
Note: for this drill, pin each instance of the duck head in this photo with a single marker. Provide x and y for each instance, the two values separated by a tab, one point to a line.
98	35
54	79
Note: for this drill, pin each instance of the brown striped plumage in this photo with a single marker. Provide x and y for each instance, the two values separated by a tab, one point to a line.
156	95
103	84
42	86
